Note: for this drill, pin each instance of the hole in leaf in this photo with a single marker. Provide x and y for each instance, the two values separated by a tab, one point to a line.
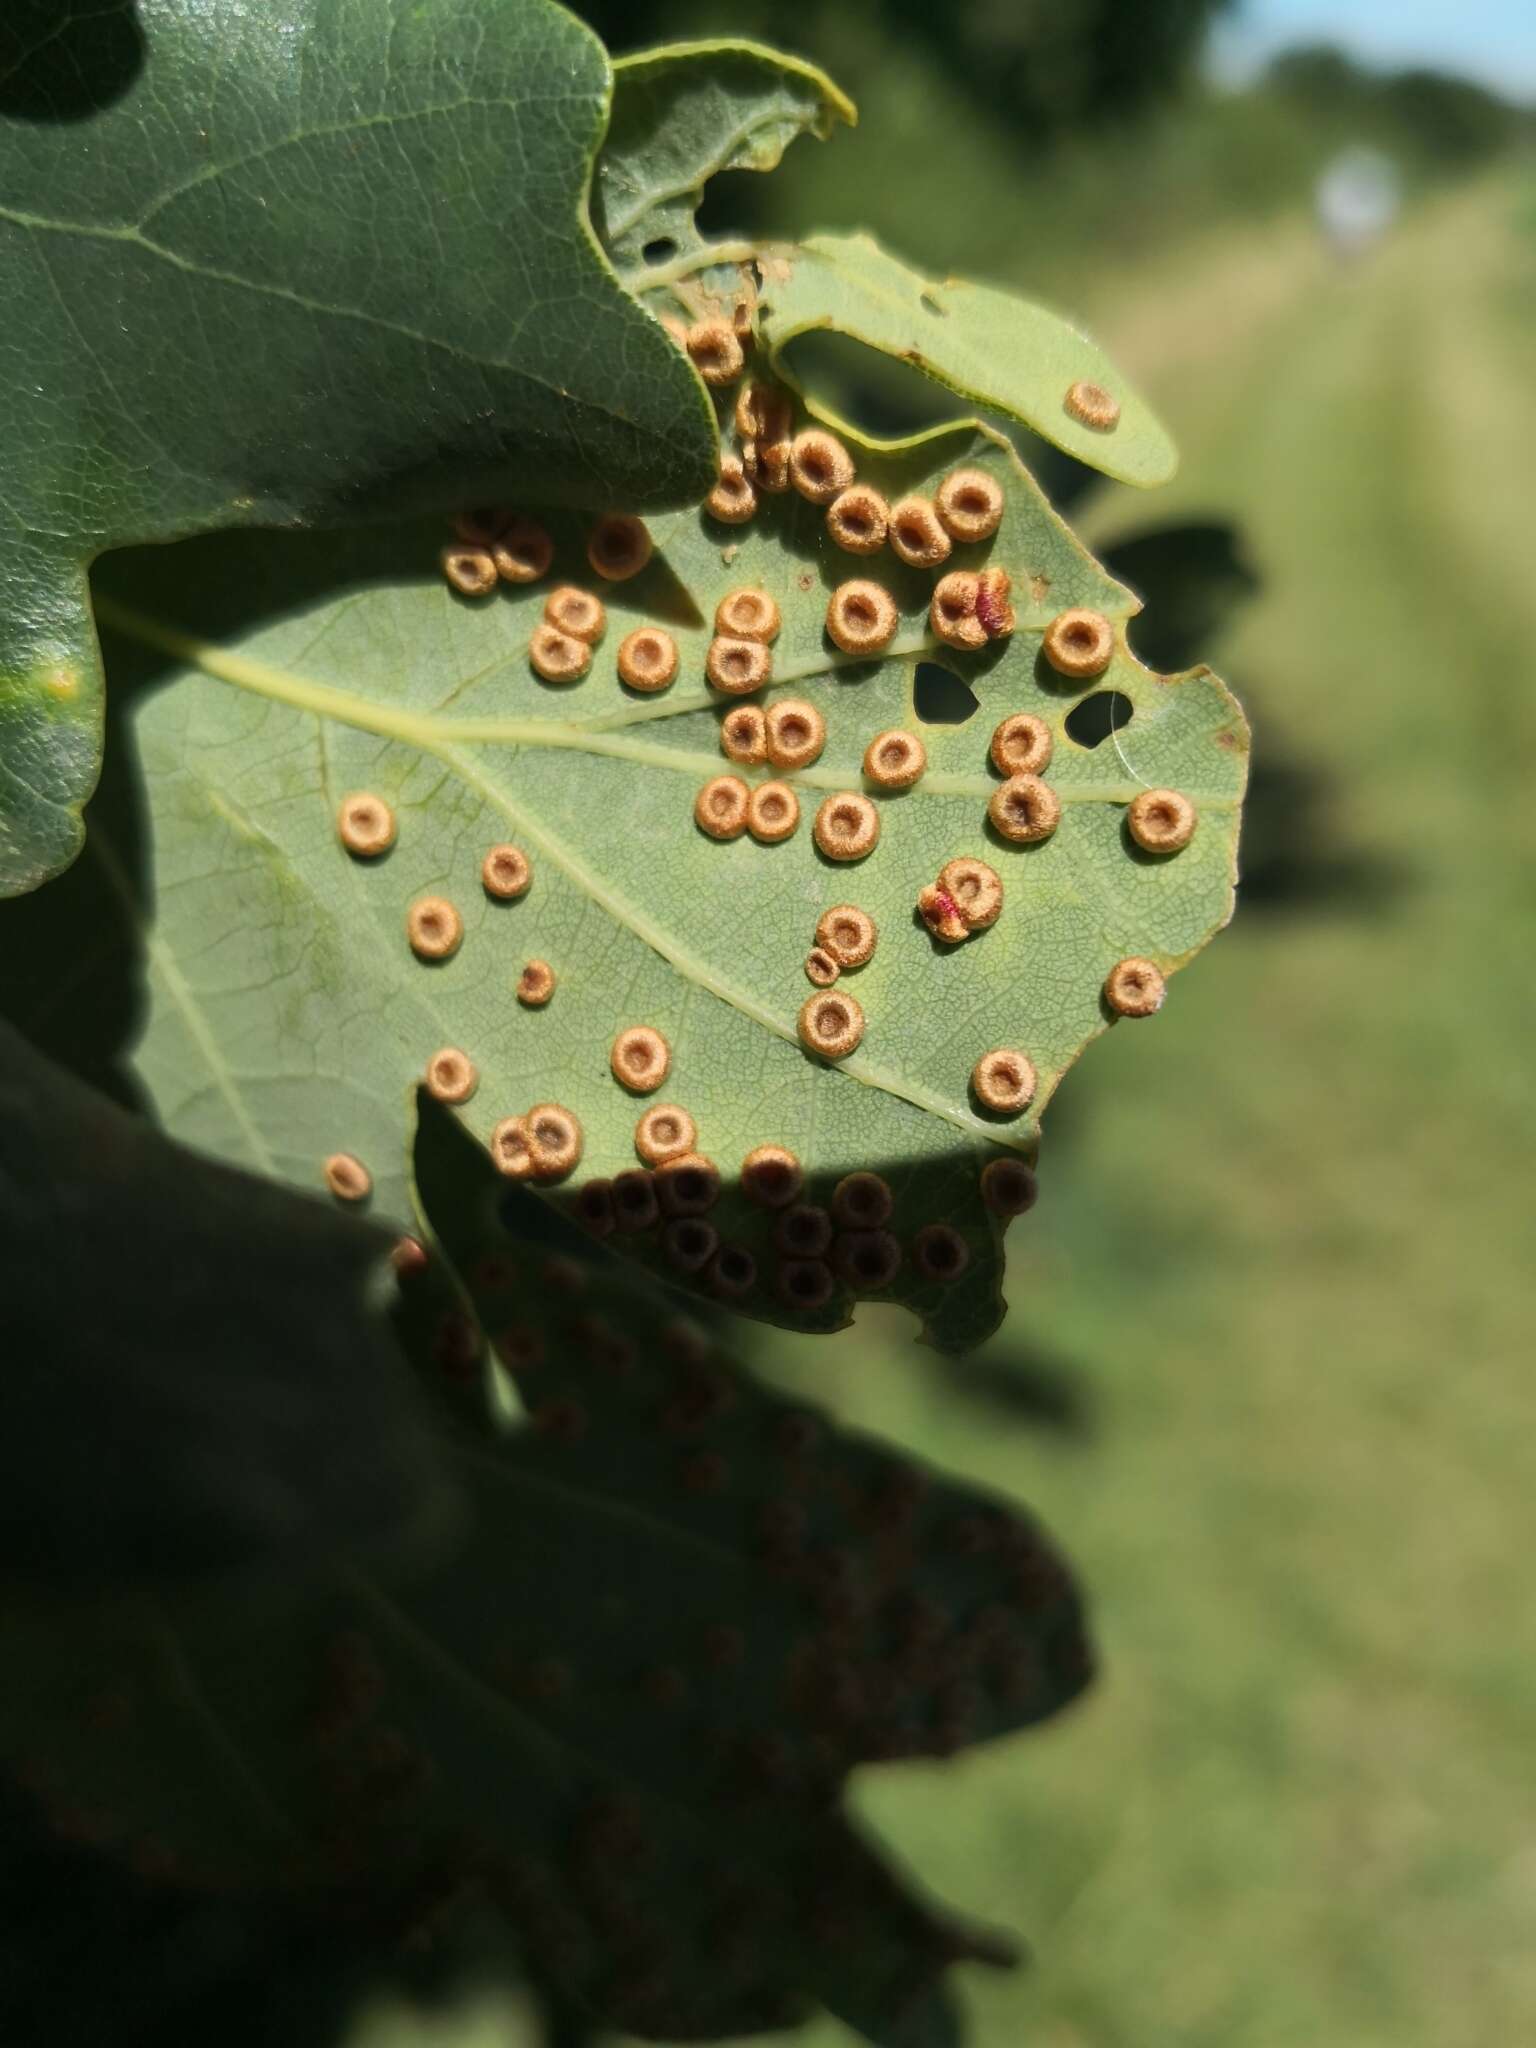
1091	722
939	697
661	250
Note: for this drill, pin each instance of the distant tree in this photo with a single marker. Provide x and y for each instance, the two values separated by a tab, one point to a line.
1048	68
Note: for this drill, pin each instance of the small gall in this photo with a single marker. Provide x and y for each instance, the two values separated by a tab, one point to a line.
773	812
969	503
536	984
848	934
1021	745
847	826
511	1149
1135	988
795	733
744	735
434	928
767	464
737	667
917	535
647	659
619	547
1160	820
939	1252
1079	643
771	1176
554	1138
804	1283
665	1132
819	465
895	760
1024	810
995	614
471	571
365	825
689	1243
1004	1081
522	552
862	1201
563	1422
732	1272
1008	1187
858	520
451	1075
862	617
593	1207
714	349
505	873
408	1257
866	1260
703	1472
347	1177
1092	406
803	1232
641	1059
558	657
482	525
831	1025
763	413
689	1186
634	1200
720	808
747	614
734	499
952	611
576	612
977	891
941	913
820	967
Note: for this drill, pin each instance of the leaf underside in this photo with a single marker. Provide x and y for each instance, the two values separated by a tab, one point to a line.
622	1713
218	314
990	348
287	1019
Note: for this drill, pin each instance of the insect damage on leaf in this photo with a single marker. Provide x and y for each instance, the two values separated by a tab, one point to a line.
575	715
824	668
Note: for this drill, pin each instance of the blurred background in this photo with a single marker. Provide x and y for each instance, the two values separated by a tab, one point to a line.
1268	1373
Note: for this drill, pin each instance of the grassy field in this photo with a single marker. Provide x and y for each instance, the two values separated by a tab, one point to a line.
1282	1262
1268	1373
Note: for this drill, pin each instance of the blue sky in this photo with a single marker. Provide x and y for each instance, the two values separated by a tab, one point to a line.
1494	40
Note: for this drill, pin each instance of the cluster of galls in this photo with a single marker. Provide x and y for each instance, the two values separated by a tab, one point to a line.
891	1619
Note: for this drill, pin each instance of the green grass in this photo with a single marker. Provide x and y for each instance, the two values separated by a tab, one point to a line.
1285	1247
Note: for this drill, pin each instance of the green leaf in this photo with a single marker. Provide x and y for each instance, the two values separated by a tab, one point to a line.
623	1712
682	114
306	264
287	1017
199	1374
1011	358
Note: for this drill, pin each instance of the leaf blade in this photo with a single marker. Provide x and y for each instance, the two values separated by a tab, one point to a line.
1014	358
219	317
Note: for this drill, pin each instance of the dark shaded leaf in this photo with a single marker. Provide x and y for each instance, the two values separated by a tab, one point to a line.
199	1372
623	1712
301	264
